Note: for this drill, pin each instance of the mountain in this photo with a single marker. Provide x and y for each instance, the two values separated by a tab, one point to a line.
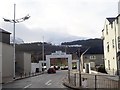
95	45
87	43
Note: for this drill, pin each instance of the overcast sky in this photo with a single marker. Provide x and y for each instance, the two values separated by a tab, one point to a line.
58	20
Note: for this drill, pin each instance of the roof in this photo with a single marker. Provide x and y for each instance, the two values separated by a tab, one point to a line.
95	50
118	15
3	31
111	19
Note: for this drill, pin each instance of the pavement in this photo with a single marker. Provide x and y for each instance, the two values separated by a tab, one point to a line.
32	75
18	77
103	81
65	83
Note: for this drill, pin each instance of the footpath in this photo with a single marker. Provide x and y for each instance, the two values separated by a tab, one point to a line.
91	81
23	76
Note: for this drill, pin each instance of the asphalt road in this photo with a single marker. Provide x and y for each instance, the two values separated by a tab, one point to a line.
41	81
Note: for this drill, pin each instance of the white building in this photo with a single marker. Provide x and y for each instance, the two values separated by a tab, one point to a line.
64	58
23	63
6	57
119	7
111	40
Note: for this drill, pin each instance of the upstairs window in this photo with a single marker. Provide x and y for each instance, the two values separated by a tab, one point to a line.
107	46
93	57
109	64
107	29
119	42
113	43
111	25
117	21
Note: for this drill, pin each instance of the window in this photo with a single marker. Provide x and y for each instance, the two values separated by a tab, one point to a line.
93	57
109	64
119	42
118	39
85	57
113	43
107	46
111	25
117	20
107	29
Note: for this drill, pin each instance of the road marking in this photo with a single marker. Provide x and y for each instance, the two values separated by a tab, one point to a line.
48	82
28	86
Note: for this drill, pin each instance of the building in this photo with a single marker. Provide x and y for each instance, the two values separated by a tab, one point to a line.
59	58
6	53
93	55
111	40
119	7
4	36
23	63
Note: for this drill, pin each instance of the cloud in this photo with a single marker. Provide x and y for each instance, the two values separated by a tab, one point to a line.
58	20
52	35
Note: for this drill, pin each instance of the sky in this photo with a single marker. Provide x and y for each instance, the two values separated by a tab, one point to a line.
58	20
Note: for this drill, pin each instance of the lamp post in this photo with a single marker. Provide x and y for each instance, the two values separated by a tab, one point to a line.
79	63
14	21
79	69
43	52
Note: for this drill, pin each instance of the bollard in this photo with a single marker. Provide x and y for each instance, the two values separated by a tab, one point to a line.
75	79
21	75
69	76
95	82
29	74
25	74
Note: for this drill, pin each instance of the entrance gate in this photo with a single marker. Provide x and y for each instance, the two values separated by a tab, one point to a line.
59	54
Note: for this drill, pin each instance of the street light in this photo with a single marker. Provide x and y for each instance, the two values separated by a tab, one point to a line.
79	69
14	21
79	63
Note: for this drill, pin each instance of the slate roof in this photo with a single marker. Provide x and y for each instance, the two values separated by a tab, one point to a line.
3	31
111	19
95	50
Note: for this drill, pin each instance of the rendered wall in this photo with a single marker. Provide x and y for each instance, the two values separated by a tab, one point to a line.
7	63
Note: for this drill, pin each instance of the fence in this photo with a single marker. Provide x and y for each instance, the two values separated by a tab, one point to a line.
93	81
24	75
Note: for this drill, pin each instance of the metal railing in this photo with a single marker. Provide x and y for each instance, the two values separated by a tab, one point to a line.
25	75
93	80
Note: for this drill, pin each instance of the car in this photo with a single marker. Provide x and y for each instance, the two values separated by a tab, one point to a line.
57	67
66	68
51	71
62	67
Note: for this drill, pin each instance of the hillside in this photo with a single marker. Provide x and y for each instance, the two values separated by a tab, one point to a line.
87	43
96	46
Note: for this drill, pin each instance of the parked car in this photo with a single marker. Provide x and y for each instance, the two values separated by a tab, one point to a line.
57	67
66	68
62	67
51	70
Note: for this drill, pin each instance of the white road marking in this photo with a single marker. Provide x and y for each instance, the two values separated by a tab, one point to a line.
28	86
48	82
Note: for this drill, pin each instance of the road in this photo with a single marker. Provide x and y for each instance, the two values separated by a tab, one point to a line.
41	81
